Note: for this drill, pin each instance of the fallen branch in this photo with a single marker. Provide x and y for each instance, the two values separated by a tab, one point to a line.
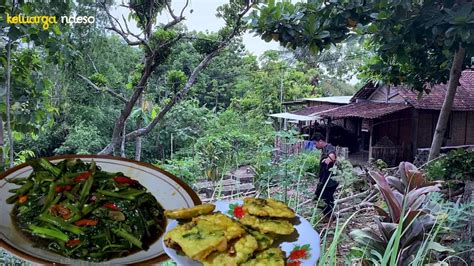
339	201
359	206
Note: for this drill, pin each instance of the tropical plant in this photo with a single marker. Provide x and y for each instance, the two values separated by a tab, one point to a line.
402	229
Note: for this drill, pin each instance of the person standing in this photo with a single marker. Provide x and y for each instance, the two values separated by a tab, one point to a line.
326	185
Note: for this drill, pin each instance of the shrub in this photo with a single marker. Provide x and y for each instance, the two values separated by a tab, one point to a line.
405	226
456	165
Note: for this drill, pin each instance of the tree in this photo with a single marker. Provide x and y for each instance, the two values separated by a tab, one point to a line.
418	43
157	43
23	81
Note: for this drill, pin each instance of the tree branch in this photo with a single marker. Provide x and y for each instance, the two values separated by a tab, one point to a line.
111	92
176	19
176	98
113	26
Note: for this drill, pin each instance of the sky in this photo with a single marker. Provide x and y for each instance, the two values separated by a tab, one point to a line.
203	18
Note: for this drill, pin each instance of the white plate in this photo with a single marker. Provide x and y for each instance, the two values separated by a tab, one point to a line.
170	192
305	237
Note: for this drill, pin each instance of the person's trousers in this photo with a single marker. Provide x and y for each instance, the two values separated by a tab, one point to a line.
327	195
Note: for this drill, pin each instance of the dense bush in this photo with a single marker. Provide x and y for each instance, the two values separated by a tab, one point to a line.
456	165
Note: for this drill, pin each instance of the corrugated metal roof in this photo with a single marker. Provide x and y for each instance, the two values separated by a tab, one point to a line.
294	117
332	99
369	110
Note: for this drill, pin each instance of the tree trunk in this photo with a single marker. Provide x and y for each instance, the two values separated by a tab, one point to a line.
2	146
122	144
454	76
120	123
8	89
138	141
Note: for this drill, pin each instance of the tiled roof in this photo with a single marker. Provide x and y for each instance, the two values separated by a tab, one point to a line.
315	109
369	110
463	100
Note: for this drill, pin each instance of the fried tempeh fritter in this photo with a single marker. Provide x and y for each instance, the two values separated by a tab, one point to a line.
269	257
267	208
265	225
203	235
188	213
238	253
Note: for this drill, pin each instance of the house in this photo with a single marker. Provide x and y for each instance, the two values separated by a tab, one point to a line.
392	123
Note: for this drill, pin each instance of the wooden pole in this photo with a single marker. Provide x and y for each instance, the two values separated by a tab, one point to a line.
328	129
414	133
371	129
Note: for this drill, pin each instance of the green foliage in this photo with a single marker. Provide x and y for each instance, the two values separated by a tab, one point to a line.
206	43
98	79
343	173
413	41
456	219
82	139
214	153
23	156
176	79
456	165
188	169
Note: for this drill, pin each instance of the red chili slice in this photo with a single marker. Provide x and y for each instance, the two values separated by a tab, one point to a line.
73	242
86	222
112	206
82	177
63	188
124	180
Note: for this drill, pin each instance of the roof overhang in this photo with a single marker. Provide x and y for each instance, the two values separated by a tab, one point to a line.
367	110
295	117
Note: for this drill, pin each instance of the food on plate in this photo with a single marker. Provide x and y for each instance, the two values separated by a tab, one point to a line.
267	208
245	239
203	235
269	257
268	225
237	253
188	213
79	211
264	241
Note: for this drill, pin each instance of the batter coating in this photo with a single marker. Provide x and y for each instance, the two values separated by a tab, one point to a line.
265	225
269	257
188	213
203	235
238	253
267	208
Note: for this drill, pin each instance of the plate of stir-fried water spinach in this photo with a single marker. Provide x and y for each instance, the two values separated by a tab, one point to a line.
94	209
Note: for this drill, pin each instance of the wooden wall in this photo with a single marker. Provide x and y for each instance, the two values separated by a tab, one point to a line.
460	129
397	127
